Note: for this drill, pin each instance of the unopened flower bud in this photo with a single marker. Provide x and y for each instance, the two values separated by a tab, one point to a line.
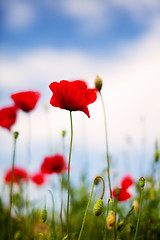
117	192
98	207
142	182
135	205
98	83
16	134
110	220
63	133
120	224
156	155
44	215
97	180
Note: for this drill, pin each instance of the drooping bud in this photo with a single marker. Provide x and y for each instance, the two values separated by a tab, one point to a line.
98	207
98	83
97	180
16	134
44	215
135	205
110	220
142	182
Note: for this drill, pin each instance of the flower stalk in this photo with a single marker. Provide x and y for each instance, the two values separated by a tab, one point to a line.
141	183
15	134
68	186
107	151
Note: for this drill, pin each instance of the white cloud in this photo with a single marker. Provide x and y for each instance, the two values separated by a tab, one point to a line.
95	15
19	14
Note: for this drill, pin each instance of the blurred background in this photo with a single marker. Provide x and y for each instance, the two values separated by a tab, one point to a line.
47	40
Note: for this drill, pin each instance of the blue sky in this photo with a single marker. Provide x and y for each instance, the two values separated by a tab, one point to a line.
44	41
99	28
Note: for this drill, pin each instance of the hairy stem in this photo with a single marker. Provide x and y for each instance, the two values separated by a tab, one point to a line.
68	188
107	152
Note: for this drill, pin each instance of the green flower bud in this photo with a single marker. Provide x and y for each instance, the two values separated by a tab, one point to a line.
117	192
98	83
44	215
156	156
98	207
63	133
17	235
142	182
120	224
16	134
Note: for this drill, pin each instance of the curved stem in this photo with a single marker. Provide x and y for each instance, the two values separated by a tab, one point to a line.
52	230
139	215
68	188
107	152
11	187
84	218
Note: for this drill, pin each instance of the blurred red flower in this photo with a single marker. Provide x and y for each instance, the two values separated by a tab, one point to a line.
123	194
38	178
53	164
72	96
127	181
18	175
26	101
8	117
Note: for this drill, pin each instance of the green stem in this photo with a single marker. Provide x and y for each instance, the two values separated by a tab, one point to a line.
11	187
115	227
84	218
61	205
107	152
104	238
139	215
62	180
52	229
68	189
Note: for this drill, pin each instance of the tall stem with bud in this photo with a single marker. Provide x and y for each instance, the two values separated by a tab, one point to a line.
141	183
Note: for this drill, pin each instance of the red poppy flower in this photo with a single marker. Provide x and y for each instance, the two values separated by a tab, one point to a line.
26	101
18	175
8	117
38	178
123	194
127	181
72	96
53	164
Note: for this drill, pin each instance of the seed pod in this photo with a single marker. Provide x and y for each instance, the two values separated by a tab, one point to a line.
98	207
98	83
44	215
110	220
